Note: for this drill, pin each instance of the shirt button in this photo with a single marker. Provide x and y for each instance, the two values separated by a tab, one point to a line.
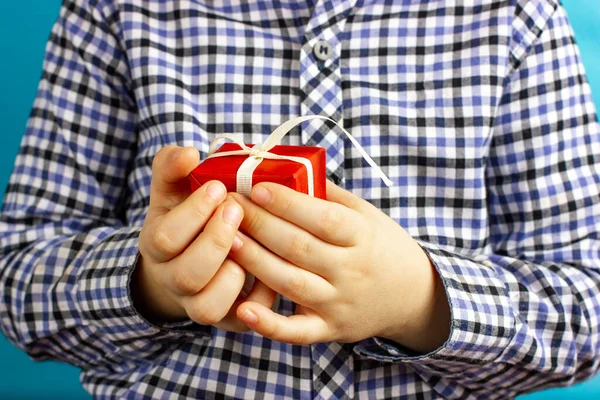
323	50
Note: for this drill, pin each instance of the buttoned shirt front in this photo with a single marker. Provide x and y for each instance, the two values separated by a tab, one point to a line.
479	113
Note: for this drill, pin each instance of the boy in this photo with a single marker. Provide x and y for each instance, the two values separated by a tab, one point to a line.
475	276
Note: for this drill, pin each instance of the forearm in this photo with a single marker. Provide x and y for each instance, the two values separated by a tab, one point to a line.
429	326
68	296
67	248
51	284
523	324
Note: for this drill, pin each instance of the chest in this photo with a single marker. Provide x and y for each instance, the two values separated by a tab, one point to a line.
416	83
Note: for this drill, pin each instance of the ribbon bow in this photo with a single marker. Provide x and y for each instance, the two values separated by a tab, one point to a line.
260	152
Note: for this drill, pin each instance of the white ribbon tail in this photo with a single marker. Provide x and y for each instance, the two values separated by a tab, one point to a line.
275	137
283	129
261	151
362	152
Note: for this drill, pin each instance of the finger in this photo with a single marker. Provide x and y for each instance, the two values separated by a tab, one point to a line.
331	222
287	240
169	234
260	293
213	302
295	329
231	322
248	285
336	194
190	271
170	169
297	284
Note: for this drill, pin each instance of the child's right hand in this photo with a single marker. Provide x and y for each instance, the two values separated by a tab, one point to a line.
183	270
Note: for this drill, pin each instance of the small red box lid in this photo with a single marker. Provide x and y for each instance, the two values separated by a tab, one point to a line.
285	172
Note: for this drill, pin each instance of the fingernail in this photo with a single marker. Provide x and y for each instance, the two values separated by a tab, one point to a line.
249	317
260	195
237	243
232	212
216	190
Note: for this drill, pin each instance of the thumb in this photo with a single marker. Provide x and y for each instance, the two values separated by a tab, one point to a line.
170	169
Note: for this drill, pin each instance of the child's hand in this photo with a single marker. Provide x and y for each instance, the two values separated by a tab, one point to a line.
183	269
353	272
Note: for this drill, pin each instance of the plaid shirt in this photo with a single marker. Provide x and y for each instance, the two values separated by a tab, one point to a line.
479	113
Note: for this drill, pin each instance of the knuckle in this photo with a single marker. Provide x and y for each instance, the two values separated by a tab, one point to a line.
252	256
314	299
295	284
255	223
219	241
161	242
184	283
286	205
234	272
273	332
296	338
199	210
330	221
160	154
299	246
205	313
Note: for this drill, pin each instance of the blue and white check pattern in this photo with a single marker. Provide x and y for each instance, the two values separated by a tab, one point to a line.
480	113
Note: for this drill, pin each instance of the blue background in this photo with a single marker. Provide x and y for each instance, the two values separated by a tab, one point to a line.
24	29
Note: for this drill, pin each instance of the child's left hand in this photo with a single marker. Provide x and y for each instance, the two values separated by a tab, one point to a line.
353	272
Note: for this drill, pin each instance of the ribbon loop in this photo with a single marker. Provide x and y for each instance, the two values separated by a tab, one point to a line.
261	151
234	138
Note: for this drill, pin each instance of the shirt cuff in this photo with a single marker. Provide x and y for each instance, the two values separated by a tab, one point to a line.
482	325
104	297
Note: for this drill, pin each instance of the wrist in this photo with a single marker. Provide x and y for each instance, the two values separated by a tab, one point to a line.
427	326
149	300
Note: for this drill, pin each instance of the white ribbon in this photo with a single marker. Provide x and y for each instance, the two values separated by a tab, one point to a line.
259	152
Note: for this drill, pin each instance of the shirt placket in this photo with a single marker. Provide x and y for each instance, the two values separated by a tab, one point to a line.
321	82
321	94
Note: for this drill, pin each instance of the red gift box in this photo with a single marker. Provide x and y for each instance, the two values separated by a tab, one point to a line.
285	172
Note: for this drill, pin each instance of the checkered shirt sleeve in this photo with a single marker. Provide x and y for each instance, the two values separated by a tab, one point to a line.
525	310
70	222
523	280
